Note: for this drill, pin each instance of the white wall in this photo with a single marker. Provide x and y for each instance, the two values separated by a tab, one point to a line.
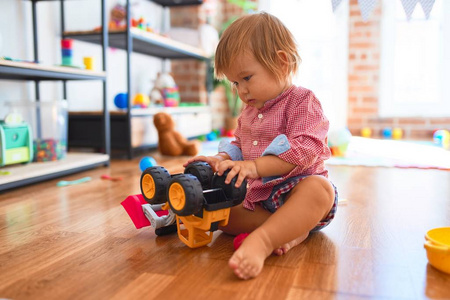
13	42
322	38
16	42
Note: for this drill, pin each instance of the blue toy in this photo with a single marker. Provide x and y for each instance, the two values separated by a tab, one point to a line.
212	136
442	138
121	100
147	162
387	132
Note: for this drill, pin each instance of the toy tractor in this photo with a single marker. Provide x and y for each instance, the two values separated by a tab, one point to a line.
194	203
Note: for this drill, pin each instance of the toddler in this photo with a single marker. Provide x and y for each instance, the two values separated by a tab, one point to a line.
280	144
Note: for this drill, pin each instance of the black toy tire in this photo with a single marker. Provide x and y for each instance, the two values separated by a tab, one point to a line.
185	195
232	193
154	181
166	230
203	171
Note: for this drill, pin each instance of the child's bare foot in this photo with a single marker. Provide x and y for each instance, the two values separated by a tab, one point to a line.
286	247
248	261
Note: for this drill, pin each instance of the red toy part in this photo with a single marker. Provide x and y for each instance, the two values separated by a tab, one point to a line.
238	240
66	43
133	206
107	177
229	133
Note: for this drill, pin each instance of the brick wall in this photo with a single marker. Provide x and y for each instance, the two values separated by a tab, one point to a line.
363	68
363	72
363	82
190	75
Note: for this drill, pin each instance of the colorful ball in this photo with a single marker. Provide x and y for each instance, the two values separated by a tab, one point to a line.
229	133
366	132
147	162
442	138
397	133
239	239
387	132
141	100
121	100
212	136
338	141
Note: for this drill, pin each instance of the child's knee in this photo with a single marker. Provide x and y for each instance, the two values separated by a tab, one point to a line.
323	189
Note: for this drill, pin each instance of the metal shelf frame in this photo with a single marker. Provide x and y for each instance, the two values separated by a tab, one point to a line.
11	71
14	72
133	41
141	44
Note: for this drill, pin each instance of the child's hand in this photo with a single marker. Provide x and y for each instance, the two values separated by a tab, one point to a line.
213	161
244	169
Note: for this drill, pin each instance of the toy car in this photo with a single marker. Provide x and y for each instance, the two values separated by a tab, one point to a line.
197	201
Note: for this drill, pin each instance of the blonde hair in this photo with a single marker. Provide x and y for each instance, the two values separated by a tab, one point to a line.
262	35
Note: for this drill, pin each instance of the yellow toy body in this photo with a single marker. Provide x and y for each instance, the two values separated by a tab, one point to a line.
197	230
199	200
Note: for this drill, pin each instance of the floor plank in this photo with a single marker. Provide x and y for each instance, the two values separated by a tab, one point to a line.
77	242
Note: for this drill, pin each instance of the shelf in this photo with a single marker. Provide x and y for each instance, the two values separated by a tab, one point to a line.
143	42
84	126
23	174
133	129
12	70
35	172
138	112
171	3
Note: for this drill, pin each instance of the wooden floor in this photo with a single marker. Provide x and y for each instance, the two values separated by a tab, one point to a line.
77	242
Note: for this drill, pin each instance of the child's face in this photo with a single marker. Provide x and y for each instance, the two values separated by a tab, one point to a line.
254	83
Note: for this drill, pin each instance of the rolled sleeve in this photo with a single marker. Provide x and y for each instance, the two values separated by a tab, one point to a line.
279	145
233	151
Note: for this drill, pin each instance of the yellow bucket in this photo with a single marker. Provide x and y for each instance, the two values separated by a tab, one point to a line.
438	248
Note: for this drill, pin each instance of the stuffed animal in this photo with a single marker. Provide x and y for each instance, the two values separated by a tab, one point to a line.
170	141
118	17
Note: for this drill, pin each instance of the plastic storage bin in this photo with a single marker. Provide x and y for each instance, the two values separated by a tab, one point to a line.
48	122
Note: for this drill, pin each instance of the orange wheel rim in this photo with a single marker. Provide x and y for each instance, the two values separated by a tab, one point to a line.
177	197
148	186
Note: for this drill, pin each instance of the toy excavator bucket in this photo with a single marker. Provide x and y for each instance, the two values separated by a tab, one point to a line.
133	206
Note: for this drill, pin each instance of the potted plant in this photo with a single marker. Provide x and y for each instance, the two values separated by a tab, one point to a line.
234	103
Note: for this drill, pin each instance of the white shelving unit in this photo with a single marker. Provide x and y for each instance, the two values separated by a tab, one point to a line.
19	175
126	125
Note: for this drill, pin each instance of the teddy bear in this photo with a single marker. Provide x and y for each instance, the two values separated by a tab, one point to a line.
170	141
118	17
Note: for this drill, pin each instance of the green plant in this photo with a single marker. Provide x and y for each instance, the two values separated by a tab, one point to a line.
233	100
247	6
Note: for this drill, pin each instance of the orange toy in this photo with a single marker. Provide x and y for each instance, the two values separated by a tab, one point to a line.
194	203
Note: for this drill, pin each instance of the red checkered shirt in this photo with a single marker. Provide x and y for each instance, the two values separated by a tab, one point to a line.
298	115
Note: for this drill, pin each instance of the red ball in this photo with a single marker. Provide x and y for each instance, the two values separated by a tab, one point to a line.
238	240
229	133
